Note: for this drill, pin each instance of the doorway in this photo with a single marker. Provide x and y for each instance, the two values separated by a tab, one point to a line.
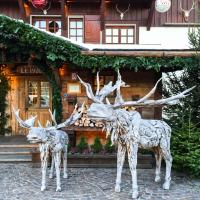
38	99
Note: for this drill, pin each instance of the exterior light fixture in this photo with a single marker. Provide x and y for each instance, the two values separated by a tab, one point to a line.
42	5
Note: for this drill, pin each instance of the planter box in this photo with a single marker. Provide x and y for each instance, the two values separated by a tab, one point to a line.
145	161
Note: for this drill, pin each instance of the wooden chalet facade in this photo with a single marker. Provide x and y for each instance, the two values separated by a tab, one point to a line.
141	32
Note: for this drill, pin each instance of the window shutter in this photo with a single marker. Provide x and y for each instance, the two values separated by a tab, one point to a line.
92	29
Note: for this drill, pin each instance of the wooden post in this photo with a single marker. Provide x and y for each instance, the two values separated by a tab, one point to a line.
102	19
64	14
57	76
150	17
22	9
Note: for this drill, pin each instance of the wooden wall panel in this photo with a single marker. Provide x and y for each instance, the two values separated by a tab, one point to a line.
84	9
174	15
135	14
10	9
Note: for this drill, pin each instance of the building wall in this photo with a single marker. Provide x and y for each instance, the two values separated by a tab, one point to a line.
10	9
169	37
167	28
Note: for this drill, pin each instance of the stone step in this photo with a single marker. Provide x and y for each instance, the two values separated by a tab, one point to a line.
17	149
6	157
15	160
15	152
18	146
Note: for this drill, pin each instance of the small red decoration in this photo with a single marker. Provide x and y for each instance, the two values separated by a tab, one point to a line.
40	4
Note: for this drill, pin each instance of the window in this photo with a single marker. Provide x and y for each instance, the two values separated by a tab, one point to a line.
76	31
38	94
120	34
52	25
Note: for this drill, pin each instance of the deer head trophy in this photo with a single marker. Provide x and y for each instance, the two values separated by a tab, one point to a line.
122	13
186	13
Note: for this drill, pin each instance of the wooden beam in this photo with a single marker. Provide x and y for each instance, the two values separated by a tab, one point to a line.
102	11
22	10
143	53
64	14
102	21
150	17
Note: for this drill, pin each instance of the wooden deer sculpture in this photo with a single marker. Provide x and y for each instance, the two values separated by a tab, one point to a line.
52	141
129	131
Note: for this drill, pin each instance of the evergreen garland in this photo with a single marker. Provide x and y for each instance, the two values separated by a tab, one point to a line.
4	88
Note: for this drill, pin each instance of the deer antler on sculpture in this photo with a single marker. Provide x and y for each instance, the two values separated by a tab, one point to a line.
30	122
73	117
100	94
53	117
119	102
186	13
27	123
144	102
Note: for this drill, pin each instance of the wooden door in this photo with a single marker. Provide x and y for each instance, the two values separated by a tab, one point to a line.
38	98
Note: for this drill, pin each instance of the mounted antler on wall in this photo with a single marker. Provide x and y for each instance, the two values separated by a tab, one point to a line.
122	13
186	13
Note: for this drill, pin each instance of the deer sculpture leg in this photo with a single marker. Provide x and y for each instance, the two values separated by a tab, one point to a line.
57	158
44	151
168	160
120	162
51	174
158	157
65	175
132	149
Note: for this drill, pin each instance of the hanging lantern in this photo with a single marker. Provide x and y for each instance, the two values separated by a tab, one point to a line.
39	4
162	6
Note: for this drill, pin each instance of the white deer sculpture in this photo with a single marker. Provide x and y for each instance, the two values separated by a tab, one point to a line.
51	141
129	131
186	13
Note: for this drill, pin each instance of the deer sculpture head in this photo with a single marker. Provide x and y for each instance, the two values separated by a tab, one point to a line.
107	112
40	134
186	13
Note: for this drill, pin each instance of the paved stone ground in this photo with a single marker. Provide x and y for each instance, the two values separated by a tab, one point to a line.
21	181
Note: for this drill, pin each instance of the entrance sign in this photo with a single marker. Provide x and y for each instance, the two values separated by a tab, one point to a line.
25	69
